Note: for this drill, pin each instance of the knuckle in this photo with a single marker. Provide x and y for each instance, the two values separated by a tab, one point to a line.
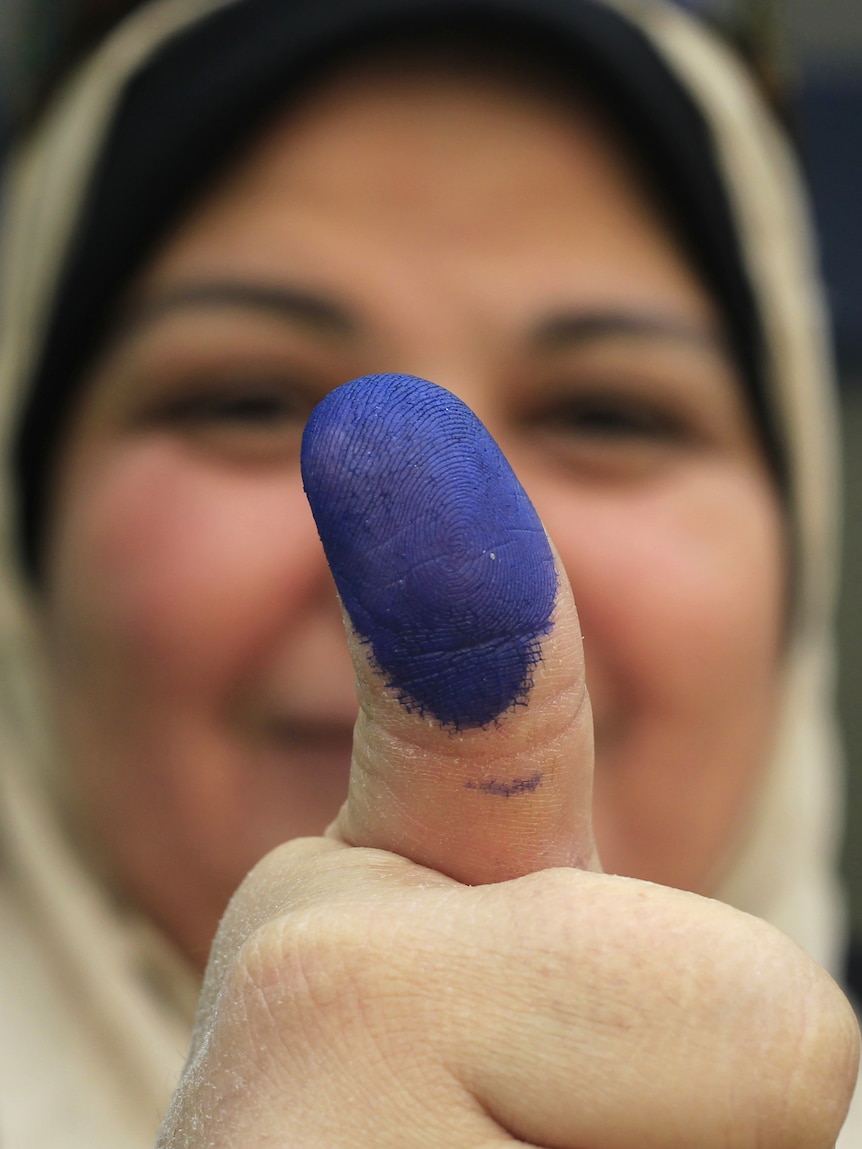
753	1042
306	960
324	981
792	1035
333	966
821	1058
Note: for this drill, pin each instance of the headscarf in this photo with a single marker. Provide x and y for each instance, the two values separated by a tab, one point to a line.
95	1005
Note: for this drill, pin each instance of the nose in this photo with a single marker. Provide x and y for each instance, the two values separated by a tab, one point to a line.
310	675
321	677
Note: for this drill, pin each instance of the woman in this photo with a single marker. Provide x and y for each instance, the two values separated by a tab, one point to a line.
582	224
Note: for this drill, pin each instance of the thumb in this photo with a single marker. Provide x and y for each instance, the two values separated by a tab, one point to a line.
473	749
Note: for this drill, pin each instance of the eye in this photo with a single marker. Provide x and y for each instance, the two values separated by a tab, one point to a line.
615	431
246	405
611	419
238	419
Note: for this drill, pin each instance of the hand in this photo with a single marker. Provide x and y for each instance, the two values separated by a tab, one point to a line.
447	967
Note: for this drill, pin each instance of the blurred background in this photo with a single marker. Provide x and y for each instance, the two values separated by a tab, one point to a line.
808	57
824	46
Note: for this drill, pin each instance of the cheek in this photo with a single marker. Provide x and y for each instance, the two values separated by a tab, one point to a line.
683	593
169	567
171	583
680	590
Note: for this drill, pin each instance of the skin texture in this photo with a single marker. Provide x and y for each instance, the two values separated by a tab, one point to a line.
355	997
418	976
582	1011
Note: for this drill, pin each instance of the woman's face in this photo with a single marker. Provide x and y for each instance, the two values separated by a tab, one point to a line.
501	245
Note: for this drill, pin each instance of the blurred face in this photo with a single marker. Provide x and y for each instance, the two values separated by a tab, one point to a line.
500	245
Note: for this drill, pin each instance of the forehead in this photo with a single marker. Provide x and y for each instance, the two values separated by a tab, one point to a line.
450	96
466	170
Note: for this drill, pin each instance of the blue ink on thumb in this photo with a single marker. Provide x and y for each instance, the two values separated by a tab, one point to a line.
439	557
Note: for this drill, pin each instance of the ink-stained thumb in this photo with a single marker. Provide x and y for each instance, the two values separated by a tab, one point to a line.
473	750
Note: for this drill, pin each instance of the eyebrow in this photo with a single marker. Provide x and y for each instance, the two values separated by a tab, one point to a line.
566	329
560	331
293	305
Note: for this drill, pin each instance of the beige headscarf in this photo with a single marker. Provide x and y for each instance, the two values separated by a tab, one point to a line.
95	1007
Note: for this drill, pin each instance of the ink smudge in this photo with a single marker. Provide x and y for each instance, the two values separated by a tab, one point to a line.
440	560
507	789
